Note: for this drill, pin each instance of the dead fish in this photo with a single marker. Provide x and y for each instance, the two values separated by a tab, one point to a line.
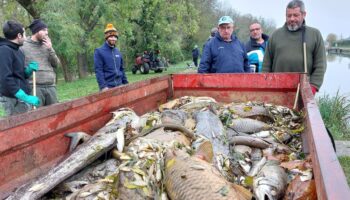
88	175
168	136
174	116
271	182
251	111
196	106
101	142
210	126
247	125
168	126
256	167
249	141
193	178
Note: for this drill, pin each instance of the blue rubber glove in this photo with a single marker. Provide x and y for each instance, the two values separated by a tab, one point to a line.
32	66
32	100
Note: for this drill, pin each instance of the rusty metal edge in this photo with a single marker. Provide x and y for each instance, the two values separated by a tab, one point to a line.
329	176
43	112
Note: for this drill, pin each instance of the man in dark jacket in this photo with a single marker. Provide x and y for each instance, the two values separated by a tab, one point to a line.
195	55
224	53
256	46
14	88
108	62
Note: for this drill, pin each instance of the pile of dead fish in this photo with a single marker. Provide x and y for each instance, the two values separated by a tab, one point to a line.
191	148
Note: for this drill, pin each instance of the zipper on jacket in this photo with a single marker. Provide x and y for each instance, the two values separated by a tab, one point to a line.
115	66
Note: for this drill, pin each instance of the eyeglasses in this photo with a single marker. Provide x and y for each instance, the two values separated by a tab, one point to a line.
255	29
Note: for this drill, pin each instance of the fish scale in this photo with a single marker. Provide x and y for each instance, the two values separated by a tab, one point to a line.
247	125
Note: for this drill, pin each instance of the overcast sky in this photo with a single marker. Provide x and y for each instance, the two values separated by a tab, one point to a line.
329	16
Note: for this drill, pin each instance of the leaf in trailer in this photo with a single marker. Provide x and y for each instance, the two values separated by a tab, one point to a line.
298	189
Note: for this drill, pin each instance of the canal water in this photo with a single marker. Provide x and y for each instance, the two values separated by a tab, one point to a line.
337	76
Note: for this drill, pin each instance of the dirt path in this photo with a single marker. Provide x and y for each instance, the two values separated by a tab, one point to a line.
343	148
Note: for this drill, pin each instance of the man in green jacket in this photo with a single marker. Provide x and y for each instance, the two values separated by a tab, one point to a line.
284	52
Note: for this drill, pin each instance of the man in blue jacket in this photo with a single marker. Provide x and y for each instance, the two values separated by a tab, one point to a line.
256	46
14	87
195	55
224	53
108	62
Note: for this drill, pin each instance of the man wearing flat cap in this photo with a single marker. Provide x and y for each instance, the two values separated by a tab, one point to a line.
224	53
108	62
38	49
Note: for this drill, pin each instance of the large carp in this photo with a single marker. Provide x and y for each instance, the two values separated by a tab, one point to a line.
101	142
189	177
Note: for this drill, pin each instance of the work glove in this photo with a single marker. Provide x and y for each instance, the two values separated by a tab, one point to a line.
32	66
313	89
32	100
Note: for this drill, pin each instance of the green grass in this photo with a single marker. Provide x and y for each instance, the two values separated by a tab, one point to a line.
335	113
345	163
88	85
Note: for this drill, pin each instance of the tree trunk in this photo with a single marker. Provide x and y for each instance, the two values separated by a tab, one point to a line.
31	7
68	77
82	65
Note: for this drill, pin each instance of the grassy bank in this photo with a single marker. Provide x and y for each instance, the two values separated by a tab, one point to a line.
88	85
335	113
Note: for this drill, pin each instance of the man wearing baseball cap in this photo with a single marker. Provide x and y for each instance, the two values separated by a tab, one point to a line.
108	62
224	53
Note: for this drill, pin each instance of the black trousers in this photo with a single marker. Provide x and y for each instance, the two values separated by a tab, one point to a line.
195	61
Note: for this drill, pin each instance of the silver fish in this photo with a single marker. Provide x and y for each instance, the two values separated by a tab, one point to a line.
174	116
210	126
247	125
270	183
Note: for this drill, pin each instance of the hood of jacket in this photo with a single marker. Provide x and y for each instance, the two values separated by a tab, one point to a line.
6	42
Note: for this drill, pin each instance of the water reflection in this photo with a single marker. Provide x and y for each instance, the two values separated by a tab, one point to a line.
337	75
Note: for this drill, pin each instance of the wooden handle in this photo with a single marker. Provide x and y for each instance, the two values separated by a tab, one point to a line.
296	97
34	86
305	59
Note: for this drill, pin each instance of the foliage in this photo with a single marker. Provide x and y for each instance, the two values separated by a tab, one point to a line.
172	26
331	39
335	113
17	13
345	163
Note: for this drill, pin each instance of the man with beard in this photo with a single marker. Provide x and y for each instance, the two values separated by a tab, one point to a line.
224	53
108	62
284	51
256	46
38	47
14	88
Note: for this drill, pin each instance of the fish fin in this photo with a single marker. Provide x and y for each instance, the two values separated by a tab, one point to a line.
76	138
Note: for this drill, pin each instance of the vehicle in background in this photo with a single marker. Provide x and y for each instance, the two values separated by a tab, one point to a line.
148	61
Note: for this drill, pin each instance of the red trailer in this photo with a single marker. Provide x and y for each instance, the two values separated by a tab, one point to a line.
33	142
